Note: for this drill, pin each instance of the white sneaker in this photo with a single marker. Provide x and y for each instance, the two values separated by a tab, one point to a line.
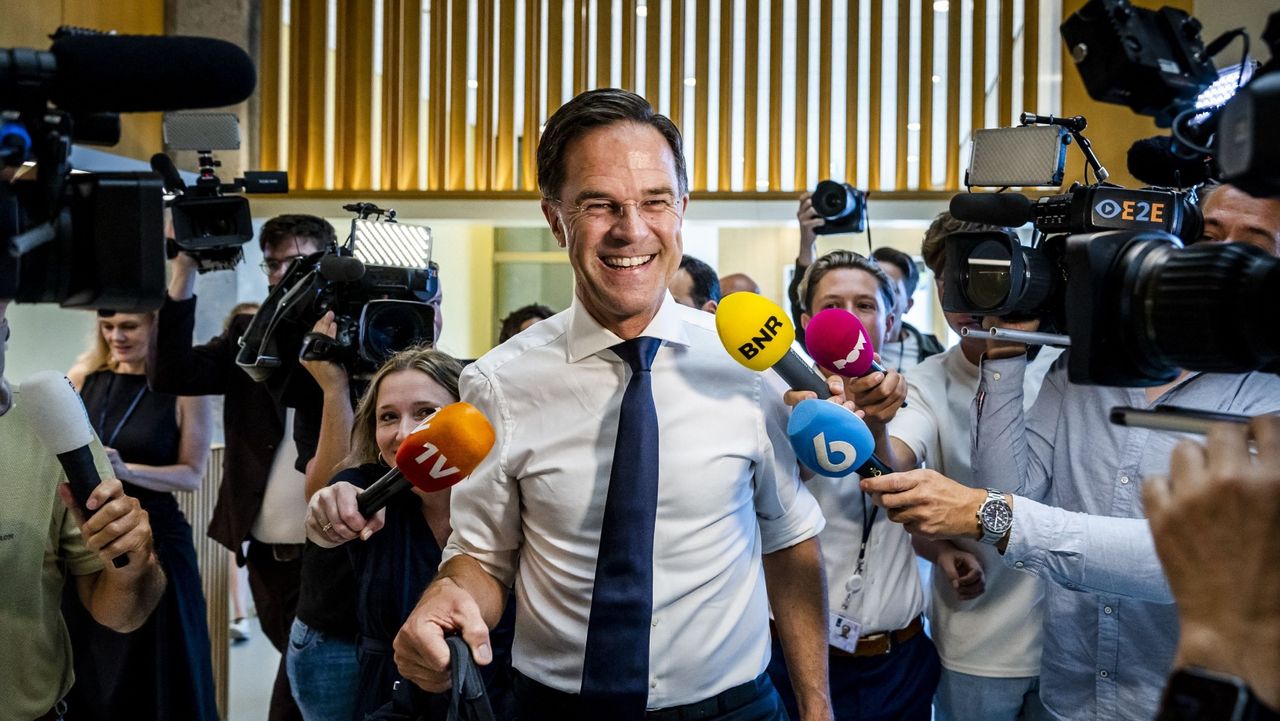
239	630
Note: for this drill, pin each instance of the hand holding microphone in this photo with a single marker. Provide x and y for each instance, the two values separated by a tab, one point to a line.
113	524
757	334
443	450
838	341
831	440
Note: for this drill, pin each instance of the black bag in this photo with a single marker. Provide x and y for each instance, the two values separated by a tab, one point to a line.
465	701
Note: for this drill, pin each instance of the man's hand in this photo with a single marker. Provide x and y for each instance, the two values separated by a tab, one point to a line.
835	385
333	517
997	349
928	503
1214	521
963	570
421	654
878	395
182	276
117	527
330	376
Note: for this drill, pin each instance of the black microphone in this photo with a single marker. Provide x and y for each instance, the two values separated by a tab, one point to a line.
1006	209
341	268
1155	162
163	165
144	73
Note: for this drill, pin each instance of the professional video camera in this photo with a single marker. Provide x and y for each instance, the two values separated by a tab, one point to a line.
208	224
843	206
1114	275
94	240
380	286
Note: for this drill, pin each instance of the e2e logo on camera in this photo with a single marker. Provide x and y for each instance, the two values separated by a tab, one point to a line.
1133	211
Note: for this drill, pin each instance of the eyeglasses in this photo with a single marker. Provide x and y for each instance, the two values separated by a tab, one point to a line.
273	265
604	212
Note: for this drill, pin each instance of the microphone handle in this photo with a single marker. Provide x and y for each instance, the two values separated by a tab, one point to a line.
377	496
82	477
874	467
799	376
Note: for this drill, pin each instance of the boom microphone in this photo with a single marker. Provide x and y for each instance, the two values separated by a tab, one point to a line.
163	165
1007	209
444	449
756	332
61	422
129	73
833	441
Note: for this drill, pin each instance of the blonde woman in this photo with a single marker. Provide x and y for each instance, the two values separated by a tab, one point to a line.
158	445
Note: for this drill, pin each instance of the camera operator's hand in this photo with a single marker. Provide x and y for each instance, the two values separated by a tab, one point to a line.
182	277
333	518
330	376
1214	520
809	220
878	395
997	349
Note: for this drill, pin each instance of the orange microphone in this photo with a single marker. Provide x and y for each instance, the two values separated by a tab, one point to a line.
444	449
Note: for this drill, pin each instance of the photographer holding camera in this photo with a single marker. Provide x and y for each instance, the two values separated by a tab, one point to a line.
1232	215
261	499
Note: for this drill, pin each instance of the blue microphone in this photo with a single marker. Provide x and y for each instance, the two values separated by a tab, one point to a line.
831	440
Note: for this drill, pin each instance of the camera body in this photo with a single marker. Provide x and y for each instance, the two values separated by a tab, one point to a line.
842	206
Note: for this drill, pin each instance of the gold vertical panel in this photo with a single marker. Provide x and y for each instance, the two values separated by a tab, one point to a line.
401	46
926	95
701	93
438	122
802	94
653	52
877	75
580	26
824	89
903	72
629	44
504	154
392	40
676	112
604	43
532	76
851	93
750	100
458	96
352	155
484	96
978	60
411	93
306	94
953	97
725	107
1004	117
555	56
775	95
269	85
1030	55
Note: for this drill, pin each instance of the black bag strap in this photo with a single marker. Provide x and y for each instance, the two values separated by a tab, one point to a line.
467	699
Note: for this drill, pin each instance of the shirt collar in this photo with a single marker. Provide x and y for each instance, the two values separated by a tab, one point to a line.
587	337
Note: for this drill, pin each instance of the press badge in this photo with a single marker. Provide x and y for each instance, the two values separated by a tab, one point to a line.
843	632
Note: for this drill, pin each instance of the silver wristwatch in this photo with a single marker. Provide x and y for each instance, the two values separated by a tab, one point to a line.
995	517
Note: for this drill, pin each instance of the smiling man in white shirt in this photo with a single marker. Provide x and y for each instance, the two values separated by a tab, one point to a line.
637	533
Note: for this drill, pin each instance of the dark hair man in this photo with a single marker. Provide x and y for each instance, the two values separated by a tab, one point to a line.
521	318
696	285
1232	215
904	345
633	533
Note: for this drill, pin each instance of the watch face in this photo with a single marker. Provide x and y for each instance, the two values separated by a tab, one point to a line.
996	516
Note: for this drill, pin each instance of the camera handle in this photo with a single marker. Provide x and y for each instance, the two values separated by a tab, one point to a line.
1074	125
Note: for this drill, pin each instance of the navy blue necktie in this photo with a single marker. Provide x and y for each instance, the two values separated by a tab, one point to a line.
616	667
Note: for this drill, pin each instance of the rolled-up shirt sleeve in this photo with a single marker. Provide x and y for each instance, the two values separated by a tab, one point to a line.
484	508
787	512
1082	552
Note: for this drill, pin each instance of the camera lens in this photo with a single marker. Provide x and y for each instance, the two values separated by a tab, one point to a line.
390	326
986	278
833	200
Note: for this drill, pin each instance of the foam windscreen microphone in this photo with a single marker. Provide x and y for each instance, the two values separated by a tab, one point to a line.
62	424
444	449
163	165
833	441
756	332
145	73
1007	209
1156	162
837	340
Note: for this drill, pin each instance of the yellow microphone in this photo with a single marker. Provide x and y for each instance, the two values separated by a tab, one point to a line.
757	333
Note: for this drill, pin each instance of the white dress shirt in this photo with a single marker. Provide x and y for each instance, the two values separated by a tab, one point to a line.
998	633
728	492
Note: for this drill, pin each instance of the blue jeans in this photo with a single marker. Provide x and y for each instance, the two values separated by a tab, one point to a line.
964	697
323	673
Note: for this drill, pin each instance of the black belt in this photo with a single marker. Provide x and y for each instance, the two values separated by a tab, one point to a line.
571	705
280	552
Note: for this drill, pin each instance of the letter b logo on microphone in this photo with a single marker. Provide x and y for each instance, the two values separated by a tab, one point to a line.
827	452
